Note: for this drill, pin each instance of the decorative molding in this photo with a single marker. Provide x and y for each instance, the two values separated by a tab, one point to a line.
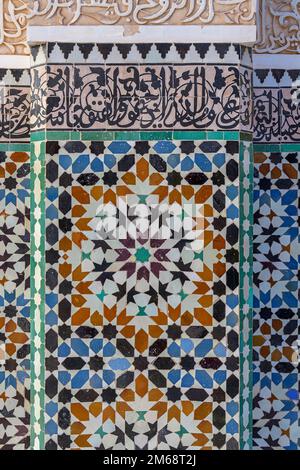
278	22
246	290
127	15
159	53
278	26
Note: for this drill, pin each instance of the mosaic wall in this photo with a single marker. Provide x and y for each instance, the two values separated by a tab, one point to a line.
138	342
276	260
14	260
136	339
141	334
276	415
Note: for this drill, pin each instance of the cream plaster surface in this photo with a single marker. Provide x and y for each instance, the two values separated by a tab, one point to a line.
117	34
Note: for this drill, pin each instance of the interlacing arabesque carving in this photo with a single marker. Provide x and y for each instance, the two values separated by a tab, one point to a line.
278	26
15	15
146	97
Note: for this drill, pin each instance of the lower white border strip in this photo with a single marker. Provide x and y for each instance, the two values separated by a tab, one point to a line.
139	34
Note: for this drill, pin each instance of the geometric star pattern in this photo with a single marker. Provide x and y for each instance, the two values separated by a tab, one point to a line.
143	333
163	371
14	298
276	298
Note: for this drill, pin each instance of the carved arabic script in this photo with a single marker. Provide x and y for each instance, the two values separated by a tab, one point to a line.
150	11
15	14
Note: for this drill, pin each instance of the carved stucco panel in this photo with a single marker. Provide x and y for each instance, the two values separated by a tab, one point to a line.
16	14
278	26
13	26
141	12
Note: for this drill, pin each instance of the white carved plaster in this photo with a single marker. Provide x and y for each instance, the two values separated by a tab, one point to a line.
131	15
278	24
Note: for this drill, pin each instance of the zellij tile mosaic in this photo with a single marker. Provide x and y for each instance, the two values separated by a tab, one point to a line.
141	343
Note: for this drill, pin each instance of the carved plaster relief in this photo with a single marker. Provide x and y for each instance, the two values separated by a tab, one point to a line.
16	14
13	26
278	26
141	12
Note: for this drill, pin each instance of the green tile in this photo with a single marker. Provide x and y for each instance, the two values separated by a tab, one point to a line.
292	147
127	135
275	148
58	135
75	135
156	135
97	135
190	135
4	147
37	135
267	147
22	147
247	136
234	135
215	135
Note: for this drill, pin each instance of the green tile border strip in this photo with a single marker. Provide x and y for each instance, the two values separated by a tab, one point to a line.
37	136
269	147
139	135
246	292
37	309
15	147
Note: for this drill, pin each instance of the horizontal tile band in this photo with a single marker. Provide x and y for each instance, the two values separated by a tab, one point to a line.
12	146
277	147
136	135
